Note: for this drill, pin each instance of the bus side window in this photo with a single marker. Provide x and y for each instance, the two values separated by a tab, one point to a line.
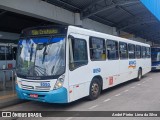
123	50
131	51
97	49
77	53
138	51
112	49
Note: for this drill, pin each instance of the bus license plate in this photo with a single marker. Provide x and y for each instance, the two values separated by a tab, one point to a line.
33	95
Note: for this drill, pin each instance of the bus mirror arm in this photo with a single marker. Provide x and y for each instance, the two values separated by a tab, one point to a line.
70	37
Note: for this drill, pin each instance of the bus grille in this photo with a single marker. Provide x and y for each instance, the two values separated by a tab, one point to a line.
26	87
37	88
40	88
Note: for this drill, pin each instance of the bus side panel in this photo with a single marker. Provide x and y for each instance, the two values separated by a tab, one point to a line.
70	94
146	65
79	82
110	71
133	71
79	78
124	64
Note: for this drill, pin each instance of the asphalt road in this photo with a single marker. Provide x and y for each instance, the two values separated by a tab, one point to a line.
130	96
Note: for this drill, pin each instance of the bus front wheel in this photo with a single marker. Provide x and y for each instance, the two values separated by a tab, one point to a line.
139	77
95	89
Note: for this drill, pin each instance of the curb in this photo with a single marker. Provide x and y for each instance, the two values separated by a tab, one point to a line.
12	102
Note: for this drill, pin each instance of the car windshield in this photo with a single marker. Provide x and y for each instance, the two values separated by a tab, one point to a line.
41	56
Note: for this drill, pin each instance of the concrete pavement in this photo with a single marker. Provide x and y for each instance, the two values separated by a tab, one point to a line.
131	96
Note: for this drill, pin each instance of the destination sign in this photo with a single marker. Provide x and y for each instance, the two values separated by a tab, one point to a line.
44	32
47	30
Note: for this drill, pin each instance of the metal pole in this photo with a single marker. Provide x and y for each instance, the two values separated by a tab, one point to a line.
4	81
12	80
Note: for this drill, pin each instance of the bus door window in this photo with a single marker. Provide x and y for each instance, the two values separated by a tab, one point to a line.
77	53
123	50
97	49
112	50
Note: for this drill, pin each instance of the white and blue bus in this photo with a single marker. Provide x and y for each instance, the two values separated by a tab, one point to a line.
155	57
63	64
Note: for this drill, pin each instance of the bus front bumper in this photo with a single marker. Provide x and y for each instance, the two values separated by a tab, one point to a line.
54	96
155	67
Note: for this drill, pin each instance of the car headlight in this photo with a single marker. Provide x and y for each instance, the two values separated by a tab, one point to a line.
59	82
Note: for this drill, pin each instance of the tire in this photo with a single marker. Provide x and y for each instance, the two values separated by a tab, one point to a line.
95	89
139	77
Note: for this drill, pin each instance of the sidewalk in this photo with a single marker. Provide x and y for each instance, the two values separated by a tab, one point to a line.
9	100
8	96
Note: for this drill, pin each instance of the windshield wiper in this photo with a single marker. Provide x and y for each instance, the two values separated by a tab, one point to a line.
31	52
44	53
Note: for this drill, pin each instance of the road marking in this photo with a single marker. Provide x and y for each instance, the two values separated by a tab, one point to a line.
138	84
144	81
93	107
126	90
69	118
150	78
133	87
107	100
117	95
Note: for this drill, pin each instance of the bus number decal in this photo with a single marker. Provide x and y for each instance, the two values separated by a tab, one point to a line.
132	64
45	84
97	70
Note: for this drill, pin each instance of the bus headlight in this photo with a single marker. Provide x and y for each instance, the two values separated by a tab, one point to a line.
59	82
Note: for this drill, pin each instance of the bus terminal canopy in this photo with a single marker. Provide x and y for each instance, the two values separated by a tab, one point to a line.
131	16
153	6
138	17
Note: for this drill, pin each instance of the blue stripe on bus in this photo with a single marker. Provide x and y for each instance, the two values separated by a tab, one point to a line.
42	40
54	96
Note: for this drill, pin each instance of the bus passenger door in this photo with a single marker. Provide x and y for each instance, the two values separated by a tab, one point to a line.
78	69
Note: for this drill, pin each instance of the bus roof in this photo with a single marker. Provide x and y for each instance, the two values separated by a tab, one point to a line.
102	35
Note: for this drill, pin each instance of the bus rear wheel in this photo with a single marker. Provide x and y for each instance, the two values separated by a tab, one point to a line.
95	89
139	77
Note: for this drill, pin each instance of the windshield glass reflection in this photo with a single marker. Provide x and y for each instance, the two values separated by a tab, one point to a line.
41	56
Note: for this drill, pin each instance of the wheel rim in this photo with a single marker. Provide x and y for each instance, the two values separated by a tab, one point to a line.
95	89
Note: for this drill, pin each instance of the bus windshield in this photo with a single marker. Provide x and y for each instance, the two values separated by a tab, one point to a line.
155	54
41	57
